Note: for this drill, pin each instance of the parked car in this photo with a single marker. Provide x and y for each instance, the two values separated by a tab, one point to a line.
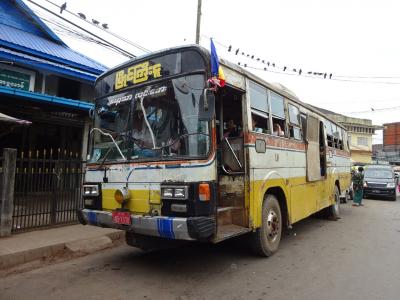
380	181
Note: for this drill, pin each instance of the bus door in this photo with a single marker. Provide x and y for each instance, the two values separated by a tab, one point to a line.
232	215
316	160
313	149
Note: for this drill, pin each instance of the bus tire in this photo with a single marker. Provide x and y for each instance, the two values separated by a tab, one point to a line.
265	240
333	211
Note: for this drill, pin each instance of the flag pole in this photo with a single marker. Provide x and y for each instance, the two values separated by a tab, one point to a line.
198	22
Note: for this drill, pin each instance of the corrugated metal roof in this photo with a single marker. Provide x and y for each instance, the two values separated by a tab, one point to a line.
35	45
15	16
37	21
39	63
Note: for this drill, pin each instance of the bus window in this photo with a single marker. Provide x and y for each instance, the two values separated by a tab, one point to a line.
329	133
294	122
303	118
259	108
335	135
340	138
345	141
259	122
278	114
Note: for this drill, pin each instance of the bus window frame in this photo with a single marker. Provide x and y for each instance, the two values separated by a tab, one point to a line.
294	125
273	116
304	125
212	149
256	111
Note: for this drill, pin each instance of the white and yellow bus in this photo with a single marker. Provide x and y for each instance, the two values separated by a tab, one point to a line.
171	159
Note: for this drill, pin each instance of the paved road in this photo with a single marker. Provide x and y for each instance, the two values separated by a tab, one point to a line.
357	257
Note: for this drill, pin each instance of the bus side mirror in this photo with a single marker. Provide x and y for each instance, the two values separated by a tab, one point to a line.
207	105
91	113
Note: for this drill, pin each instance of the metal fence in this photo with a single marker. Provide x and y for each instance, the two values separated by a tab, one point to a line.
47	189
1	174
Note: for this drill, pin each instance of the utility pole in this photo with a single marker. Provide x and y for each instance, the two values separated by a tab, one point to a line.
198	22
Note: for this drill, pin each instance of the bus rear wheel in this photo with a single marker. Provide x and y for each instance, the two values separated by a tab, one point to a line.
265	241
333	212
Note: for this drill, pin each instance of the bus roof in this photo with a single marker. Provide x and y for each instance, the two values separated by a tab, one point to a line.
276	87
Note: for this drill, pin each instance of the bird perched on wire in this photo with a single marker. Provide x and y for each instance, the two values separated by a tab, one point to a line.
95	22
63	7
104	25
82	16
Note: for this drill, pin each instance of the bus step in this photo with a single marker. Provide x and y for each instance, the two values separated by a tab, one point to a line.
229	231
225	214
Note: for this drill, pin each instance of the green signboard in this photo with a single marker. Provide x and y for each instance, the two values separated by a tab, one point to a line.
15	80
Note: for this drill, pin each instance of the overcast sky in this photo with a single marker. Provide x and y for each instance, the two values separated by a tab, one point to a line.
342	37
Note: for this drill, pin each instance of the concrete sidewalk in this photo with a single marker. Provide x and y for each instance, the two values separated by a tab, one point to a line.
59	243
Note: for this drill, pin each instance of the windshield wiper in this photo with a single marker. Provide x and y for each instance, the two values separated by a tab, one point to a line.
180	137
104	159
109	135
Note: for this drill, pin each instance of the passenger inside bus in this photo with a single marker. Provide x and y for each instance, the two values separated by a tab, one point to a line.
232	130
278	130
140	131
259	123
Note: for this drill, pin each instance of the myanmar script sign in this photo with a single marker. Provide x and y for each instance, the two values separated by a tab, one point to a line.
15	80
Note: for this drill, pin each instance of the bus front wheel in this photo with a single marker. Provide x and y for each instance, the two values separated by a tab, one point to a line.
265	241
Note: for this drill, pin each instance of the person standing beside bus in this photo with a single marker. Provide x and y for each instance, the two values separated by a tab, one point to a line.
358	181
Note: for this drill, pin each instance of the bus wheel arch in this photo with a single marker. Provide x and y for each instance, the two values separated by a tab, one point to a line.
337	183
332	212
281	197
266	239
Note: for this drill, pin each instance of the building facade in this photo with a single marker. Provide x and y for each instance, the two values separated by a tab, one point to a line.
360	133
42	81
390	149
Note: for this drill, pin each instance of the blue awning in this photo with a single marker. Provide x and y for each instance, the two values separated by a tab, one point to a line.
46	99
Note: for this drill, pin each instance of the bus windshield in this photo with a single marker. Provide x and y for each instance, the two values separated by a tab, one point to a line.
155	122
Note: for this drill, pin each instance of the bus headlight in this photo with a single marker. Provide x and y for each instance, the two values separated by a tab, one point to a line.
167	192
90	190
174	192
180	193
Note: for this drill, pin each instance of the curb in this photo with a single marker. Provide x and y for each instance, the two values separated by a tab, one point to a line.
60	251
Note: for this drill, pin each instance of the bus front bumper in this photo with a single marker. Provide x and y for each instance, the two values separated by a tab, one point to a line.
191	228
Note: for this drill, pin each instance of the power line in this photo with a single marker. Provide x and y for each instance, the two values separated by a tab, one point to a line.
300	71
70	32
368	77
315	77
122	51
375	110
103	29
377	100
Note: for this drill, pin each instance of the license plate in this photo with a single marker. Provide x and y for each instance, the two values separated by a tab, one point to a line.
376	191
121	217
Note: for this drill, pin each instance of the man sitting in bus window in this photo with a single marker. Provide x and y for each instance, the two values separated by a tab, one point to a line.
259	123
254	123
278	130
